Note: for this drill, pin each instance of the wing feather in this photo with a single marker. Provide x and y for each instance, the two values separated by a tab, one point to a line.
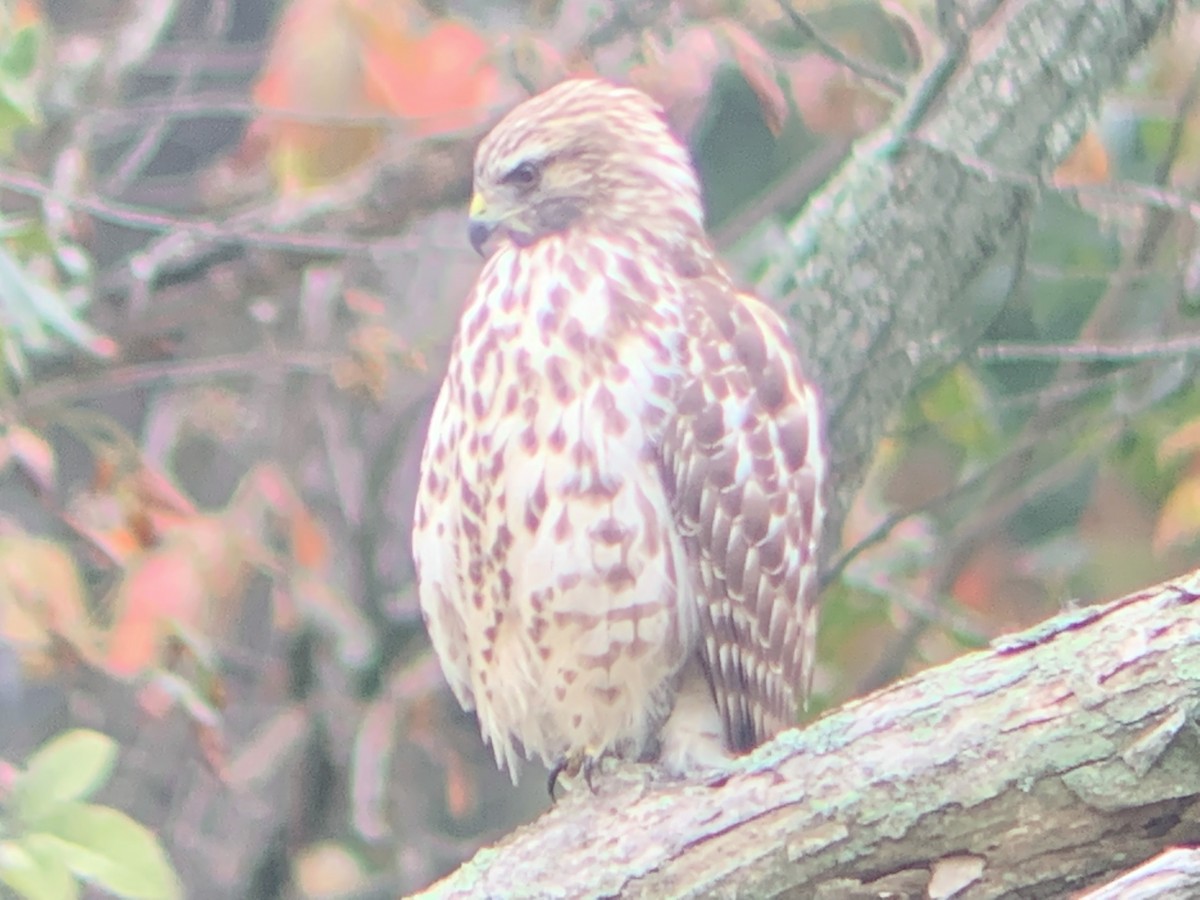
743	464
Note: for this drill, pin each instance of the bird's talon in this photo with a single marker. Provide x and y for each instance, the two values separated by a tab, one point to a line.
557	770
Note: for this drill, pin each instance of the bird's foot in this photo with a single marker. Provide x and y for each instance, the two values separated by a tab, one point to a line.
585	763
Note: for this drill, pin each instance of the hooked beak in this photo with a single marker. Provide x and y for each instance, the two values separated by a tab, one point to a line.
481	226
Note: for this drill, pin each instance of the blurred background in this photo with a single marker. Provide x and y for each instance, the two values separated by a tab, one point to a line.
232	252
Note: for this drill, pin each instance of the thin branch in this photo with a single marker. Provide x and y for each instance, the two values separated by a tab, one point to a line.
1123	352
863	69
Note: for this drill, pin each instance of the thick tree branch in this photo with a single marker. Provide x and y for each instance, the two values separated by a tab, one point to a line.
878	265
1060	756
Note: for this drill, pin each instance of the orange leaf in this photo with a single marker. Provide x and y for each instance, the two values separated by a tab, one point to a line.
165	586
310	89
187	582
310	546
443	81
1185	439
1179	519
1087	164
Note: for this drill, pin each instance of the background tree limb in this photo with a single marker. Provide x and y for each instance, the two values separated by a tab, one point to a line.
875	273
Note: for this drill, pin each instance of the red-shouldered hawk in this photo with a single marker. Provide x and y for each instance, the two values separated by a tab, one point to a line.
620	497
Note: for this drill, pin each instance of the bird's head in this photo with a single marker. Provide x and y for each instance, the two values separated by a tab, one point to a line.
585	152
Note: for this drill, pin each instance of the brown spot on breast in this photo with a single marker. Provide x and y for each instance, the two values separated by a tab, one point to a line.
609	532
540	598
524	362
595	486
569	581
548	323
511	397
559	383
558	439
471	499
536	506
615	421
620	578
537	629
529	441
569	675
582	621
609	695
575	336
475	325
633	275
502	542
562	528
662	353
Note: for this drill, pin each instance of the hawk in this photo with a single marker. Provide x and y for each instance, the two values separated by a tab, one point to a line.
620	495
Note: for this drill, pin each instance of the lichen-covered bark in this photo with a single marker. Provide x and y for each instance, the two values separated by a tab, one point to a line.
1040	766
878	267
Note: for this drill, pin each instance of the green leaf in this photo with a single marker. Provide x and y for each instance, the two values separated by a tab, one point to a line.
20	56
36	313
959	406
34	875
110	850
70	767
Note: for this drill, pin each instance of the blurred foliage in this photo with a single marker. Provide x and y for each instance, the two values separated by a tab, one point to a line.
50	839
231	256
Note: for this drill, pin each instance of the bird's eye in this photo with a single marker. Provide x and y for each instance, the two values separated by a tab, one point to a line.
524	175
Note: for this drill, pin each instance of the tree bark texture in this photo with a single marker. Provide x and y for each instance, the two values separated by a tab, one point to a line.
875	273
1046	764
